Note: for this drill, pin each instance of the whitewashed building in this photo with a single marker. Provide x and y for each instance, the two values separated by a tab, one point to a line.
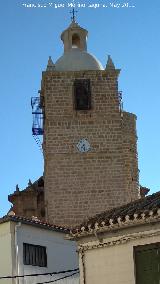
122	245
29	246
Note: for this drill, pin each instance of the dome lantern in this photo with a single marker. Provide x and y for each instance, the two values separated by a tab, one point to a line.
76	57
74	37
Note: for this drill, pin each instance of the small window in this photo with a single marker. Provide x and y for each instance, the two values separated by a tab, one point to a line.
34	255
82	94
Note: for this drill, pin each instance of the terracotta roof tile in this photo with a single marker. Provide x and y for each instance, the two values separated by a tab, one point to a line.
143	205
35	222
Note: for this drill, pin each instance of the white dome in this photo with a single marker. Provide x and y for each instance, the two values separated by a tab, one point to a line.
76	60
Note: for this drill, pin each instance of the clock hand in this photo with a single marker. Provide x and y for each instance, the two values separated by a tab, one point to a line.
83	146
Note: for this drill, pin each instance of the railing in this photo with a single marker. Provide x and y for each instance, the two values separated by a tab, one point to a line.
37	113
120	101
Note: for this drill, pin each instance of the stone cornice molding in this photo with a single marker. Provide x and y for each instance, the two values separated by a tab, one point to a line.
117	240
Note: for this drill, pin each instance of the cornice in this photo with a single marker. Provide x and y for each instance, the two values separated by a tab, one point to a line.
117	240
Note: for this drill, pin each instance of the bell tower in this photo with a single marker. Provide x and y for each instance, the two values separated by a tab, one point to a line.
90	143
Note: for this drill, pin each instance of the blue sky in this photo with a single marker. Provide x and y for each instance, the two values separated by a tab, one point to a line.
29	35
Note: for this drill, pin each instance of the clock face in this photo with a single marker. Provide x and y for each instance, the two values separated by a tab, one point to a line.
83	145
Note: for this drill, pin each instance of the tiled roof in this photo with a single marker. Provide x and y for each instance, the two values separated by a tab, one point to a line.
34	222
140	210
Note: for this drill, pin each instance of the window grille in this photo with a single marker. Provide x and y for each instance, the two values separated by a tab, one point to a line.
34	255
82	94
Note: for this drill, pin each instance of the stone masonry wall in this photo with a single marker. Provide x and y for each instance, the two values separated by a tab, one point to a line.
130	154
28	204
30	201
78	185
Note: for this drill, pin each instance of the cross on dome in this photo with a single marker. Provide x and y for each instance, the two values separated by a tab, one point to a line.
73	18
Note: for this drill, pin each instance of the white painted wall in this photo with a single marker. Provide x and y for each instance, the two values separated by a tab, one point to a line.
113	264
61	254
5	252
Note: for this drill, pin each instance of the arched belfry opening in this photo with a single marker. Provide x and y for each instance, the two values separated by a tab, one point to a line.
74	37
75	41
